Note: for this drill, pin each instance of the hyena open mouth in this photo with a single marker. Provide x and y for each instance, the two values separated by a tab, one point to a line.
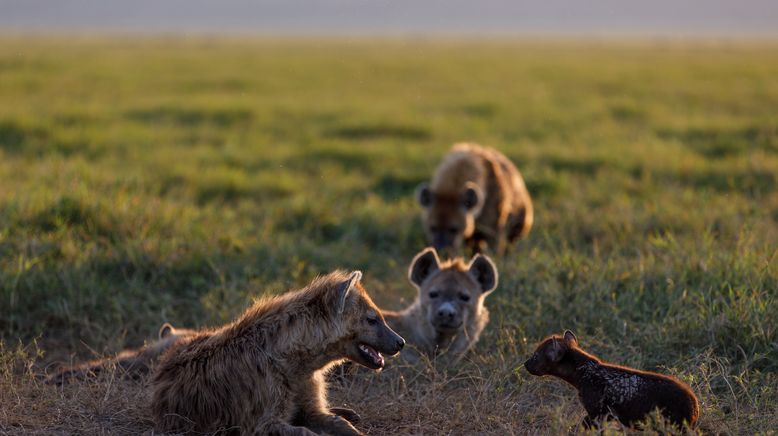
372	357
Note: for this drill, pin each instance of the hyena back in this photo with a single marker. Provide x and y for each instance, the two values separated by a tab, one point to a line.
131	364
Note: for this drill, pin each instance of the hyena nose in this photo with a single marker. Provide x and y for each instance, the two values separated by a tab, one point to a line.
400	343
446	312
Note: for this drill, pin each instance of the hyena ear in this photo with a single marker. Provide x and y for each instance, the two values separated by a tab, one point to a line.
483	270
345	288
424	195
165	331
423	265
472	197
555	351
570	338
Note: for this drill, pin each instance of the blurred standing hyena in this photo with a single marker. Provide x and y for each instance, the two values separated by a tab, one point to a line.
476	196
131	363
448	314
264	373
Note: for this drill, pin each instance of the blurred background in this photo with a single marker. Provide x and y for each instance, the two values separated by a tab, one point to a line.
173	160
662	17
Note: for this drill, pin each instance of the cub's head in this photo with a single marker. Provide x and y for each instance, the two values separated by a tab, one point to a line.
363	326
449	218
549	357
452	293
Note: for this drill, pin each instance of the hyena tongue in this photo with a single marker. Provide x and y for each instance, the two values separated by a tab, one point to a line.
374	355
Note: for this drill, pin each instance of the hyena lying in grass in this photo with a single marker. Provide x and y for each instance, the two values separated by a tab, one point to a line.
476	196
606	389
448	314
130	363
264	373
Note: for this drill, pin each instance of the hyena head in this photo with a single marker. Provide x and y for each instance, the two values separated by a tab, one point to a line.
449	218
451	294
549	357
363	326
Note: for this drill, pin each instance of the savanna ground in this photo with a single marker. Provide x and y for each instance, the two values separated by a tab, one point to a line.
145	180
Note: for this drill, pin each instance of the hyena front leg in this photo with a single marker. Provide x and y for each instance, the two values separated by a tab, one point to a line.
330	424
273	426
345	413
314	413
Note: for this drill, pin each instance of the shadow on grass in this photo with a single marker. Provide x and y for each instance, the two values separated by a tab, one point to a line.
191	116
480	110
16	138
392	187
583	166
365	132
723	142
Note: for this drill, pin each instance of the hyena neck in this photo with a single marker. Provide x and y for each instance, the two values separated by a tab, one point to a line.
578	367
310	349
305	343
444	339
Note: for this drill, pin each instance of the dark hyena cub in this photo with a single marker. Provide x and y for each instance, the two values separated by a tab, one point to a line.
264	373
132	363
606	389
448	314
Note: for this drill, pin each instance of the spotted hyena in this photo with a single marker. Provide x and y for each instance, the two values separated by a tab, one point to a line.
265	372
477	197
448	314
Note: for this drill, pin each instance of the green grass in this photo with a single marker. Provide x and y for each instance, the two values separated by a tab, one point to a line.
145	180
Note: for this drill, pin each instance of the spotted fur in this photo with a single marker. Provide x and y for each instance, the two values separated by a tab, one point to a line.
606	389
265	372
476	197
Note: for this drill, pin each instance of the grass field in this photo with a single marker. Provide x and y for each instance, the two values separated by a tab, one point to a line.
145	180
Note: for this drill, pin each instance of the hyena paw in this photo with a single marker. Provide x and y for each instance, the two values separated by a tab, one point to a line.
347	414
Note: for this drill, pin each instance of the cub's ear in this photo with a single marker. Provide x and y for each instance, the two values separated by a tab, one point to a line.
424	195
555	352
423	265
483	270
570	338
165	331
472	197
345	288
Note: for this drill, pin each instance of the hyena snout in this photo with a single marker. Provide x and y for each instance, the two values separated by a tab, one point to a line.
444	240
447	316
394	342
530	365
536	366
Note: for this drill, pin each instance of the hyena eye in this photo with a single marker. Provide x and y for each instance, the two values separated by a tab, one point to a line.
453	230
464	297
434	295
372	321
